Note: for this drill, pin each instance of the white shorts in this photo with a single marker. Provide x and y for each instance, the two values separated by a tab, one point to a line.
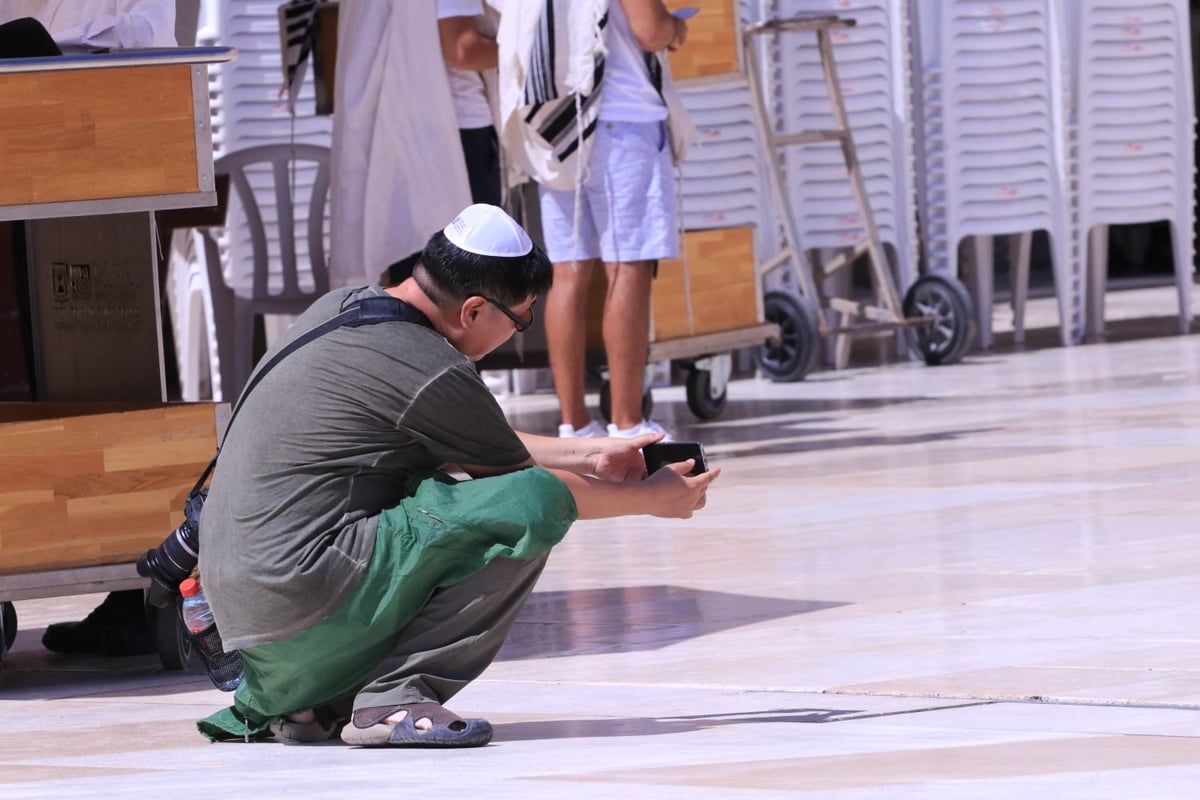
629	201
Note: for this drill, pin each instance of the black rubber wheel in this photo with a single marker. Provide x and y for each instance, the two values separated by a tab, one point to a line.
946	300
8	624
8	631
174	644
606	403
794	354
702	398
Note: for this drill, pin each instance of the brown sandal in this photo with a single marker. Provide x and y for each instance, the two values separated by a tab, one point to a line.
368	728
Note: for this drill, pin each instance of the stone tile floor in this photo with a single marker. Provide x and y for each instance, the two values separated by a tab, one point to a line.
977	581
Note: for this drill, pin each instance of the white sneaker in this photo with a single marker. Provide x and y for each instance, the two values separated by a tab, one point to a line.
643	427
593	430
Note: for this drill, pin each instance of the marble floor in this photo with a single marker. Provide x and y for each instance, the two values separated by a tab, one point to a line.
977	581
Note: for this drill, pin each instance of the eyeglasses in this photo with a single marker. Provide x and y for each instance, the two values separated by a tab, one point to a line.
522	325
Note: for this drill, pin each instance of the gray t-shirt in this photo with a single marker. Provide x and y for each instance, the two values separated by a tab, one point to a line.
332	435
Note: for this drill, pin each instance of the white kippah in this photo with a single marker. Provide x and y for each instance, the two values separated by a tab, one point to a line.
488	231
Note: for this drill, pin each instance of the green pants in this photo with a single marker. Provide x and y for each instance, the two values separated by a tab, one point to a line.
452	567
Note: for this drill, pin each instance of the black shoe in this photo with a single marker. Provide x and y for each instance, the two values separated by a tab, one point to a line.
116	627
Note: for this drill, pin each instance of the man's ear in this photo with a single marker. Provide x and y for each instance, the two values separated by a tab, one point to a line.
470	309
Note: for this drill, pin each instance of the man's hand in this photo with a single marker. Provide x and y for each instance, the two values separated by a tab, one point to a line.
681	32
677	495
669	492
620	460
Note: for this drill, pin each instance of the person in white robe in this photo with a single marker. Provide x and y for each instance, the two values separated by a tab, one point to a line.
398	171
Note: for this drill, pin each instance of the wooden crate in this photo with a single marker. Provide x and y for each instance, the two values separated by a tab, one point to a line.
720	286
723	296
86	484
90	134
712	42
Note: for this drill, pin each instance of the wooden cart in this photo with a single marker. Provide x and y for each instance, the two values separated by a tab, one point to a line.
96	471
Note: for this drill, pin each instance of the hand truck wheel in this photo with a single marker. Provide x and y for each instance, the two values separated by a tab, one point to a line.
794	354
708	385
947	301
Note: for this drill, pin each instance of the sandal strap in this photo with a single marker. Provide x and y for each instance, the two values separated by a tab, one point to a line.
435	712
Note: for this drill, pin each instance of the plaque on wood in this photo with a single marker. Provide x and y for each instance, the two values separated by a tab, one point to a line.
95	308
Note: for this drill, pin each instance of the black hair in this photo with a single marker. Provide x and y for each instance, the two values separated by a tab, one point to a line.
26	38
447	273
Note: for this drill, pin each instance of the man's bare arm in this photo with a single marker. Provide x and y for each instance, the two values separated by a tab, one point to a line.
666	493
464	47
669	492
653	26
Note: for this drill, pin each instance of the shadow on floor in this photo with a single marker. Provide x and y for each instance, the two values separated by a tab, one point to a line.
649	726
552	624
634	618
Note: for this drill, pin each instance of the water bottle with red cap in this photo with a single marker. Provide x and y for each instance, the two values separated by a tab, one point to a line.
224	669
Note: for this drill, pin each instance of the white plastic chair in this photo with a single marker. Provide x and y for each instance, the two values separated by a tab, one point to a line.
192	317
261	180
1134	134
991	106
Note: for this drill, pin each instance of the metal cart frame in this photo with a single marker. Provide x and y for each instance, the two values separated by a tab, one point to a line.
936	312
174	646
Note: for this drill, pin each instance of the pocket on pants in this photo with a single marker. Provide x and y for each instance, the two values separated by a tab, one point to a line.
644	137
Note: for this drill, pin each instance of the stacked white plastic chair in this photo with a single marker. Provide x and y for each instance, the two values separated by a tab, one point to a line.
247	109
1133	134
872	66
192	319
991	146
721	183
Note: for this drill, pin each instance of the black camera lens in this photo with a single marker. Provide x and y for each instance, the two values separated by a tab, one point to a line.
172	562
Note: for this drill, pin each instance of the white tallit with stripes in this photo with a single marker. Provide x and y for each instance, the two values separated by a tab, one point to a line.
551	76
297	20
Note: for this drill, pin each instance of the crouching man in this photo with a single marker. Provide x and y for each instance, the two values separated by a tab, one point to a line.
334	540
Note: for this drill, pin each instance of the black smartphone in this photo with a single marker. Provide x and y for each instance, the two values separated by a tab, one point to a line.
661	453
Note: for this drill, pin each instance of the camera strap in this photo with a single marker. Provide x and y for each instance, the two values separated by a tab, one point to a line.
367	311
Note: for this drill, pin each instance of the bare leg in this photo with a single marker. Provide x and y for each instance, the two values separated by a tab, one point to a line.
566	337
627	337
